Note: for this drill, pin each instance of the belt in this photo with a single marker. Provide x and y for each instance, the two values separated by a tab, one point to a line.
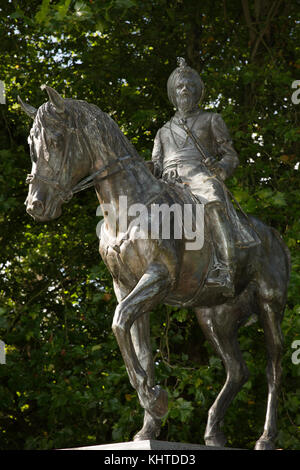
183	156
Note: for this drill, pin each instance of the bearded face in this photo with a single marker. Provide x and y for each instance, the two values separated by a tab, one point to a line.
186	95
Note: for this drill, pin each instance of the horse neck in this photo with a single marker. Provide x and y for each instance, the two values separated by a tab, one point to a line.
132	181
123	176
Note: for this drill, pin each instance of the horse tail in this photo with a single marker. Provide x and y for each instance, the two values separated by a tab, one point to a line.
288	263
274	246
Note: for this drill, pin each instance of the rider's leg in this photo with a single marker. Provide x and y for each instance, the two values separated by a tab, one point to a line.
222	272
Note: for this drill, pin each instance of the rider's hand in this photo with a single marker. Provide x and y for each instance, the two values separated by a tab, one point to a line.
215	167
219	171
171	176
210	162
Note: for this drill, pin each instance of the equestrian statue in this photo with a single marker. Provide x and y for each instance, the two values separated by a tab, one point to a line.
242	268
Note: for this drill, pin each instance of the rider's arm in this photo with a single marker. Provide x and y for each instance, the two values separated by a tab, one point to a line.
157	156
228	158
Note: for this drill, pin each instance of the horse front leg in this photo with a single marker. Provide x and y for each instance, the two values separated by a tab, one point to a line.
149	291
140	334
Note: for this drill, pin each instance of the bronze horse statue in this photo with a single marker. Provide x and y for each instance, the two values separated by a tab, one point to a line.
73	145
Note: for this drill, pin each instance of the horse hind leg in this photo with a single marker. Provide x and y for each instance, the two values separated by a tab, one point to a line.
270	316
220	326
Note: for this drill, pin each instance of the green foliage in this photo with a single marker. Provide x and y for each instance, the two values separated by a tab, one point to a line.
64	383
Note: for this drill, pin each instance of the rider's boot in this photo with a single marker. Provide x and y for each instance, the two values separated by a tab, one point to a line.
221	273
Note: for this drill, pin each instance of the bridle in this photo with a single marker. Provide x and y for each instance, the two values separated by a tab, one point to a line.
86	183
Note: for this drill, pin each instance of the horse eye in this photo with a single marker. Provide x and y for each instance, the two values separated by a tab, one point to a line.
32	152
55	138
33	156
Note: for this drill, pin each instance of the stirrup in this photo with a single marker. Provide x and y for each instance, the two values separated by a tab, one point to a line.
220	276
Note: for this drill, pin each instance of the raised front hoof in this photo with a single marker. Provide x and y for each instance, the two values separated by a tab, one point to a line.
219	440
150	430
145	435
264	444
159	405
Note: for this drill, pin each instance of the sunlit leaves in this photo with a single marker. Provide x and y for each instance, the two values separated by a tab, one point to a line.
42	14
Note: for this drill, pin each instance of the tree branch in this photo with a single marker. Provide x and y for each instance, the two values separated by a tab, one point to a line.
248	19
272	12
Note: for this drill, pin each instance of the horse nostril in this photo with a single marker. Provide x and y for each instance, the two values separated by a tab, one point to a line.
37	207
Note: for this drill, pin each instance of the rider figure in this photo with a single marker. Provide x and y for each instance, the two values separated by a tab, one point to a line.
175	155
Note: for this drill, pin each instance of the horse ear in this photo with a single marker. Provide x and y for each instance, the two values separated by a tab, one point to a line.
30	110
55	98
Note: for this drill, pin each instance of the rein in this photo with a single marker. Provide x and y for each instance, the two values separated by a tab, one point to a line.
86	183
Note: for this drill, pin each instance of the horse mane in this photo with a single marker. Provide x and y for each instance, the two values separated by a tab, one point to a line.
94	130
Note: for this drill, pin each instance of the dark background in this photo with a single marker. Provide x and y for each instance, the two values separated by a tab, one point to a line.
64	383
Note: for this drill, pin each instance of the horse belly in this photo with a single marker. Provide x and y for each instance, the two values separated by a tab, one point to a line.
191	278
129	260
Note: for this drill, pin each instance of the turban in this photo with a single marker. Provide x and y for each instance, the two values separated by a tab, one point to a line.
184	71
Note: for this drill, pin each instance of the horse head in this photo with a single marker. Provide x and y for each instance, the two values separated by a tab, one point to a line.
56	154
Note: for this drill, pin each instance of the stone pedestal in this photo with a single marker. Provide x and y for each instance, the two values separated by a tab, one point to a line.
151	445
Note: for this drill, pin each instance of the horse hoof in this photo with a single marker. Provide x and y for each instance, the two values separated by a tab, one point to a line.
264	444
150	430
142	436
159	406
219	440
145	436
